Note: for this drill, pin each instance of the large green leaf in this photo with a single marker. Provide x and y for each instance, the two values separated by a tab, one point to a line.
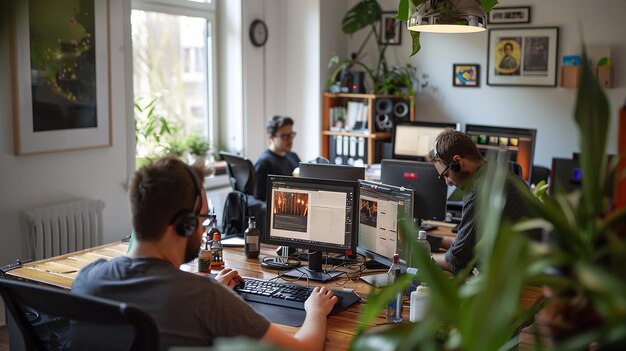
363	14
592	117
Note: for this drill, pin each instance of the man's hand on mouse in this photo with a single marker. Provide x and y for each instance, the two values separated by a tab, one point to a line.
229	277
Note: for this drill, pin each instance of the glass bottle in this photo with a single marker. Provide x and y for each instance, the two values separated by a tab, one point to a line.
204	259
394	308
217	249
251	238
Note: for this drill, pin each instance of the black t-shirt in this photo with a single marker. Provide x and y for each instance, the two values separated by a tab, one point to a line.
270	163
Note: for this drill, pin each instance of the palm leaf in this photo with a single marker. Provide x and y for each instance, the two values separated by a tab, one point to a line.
363	14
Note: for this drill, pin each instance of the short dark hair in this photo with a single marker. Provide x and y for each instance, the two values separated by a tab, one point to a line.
159	191
277	122
451	142
509	45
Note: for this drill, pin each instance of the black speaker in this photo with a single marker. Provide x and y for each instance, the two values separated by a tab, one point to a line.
388	111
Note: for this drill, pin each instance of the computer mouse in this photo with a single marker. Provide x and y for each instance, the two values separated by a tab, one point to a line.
240	285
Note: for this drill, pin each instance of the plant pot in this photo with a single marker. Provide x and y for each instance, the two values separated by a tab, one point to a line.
564	317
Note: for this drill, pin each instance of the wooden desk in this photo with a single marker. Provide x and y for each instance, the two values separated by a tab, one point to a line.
60	272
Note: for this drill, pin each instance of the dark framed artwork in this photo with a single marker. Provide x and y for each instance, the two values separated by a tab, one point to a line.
60	75
509	15
389	29
466	75
522	56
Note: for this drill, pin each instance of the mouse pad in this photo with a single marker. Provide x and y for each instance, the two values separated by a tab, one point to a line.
281	315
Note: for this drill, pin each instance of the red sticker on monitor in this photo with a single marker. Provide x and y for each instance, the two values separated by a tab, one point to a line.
409	175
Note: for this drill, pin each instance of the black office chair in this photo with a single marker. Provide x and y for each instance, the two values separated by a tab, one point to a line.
516	169
241	174
53	319
539	173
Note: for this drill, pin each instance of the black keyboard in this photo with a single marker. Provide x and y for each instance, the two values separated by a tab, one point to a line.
287	294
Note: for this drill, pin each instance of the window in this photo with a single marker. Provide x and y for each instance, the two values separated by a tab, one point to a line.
173	65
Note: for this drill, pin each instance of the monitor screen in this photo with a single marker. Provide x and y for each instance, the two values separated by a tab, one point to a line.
519	142
413	140
430	192
381	208
328	171
313	214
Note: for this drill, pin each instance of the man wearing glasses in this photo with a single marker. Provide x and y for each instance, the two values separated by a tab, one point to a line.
278	158
458	161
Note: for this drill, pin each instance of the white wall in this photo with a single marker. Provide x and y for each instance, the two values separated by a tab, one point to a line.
549	109
29	181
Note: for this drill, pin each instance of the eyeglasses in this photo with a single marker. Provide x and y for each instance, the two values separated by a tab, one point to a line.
442	174
286	136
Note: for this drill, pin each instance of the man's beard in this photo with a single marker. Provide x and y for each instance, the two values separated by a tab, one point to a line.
192	248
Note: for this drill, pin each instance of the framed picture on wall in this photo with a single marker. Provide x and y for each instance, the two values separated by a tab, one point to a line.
522	56
60	75
509	15
389	29
466	75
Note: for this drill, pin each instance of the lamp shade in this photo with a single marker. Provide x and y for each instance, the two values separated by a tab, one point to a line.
448	16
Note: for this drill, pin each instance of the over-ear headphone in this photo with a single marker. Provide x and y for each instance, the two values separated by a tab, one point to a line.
455	165
186	222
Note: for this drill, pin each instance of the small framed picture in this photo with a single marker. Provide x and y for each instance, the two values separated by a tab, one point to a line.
389	29
509	15
466	75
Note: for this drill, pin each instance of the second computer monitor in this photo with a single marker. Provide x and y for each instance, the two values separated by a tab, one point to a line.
382	208
413	140
430	192
328	171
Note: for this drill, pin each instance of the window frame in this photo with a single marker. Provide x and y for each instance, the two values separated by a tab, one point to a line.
199	10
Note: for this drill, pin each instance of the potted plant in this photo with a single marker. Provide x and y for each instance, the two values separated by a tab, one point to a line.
588	254
584	264
152	131
385	80
198	147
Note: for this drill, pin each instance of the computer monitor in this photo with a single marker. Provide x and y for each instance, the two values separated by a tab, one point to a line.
328	171
413	140
430	192
315	214
519	142
381	209
567	173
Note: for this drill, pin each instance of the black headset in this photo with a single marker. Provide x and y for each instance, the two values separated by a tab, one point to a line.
186	222
455	165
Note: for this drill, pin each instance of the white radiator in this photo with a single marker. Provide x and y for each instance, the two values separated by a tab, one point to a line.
59	229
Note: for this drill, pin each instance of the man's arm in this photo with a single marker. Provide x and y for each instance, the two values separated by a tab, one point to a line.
312	333
440	259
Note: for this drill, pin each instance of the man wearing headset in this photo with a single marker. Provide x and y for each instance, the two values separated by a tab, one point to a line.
168	206
458	161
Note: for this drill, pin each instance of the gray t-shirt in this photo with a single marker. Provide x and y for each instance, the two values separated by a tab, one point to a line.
189	309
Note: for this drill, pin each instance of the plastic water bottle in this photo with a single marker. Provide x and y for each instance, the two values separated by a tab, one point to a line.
251	239
421	239
419	303
394	308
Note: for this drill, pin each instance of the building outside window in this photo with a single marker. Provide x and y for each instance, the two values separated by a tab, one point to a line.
173	64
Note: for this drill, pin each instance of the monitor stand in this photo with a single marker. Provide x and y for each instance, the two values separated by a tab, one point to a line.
314	272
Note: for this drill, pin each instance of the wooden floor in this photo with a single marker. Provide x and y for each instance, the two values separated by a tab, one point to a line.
4	338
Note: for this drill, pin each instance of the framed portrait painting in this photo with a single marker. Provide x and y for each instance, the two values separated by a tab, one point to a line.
60	75
523	56
389	29
466	75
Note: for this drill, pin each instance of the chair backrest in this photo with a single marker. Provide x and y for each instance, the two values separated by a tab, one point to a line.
516	168
240	172
54	319
539	173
